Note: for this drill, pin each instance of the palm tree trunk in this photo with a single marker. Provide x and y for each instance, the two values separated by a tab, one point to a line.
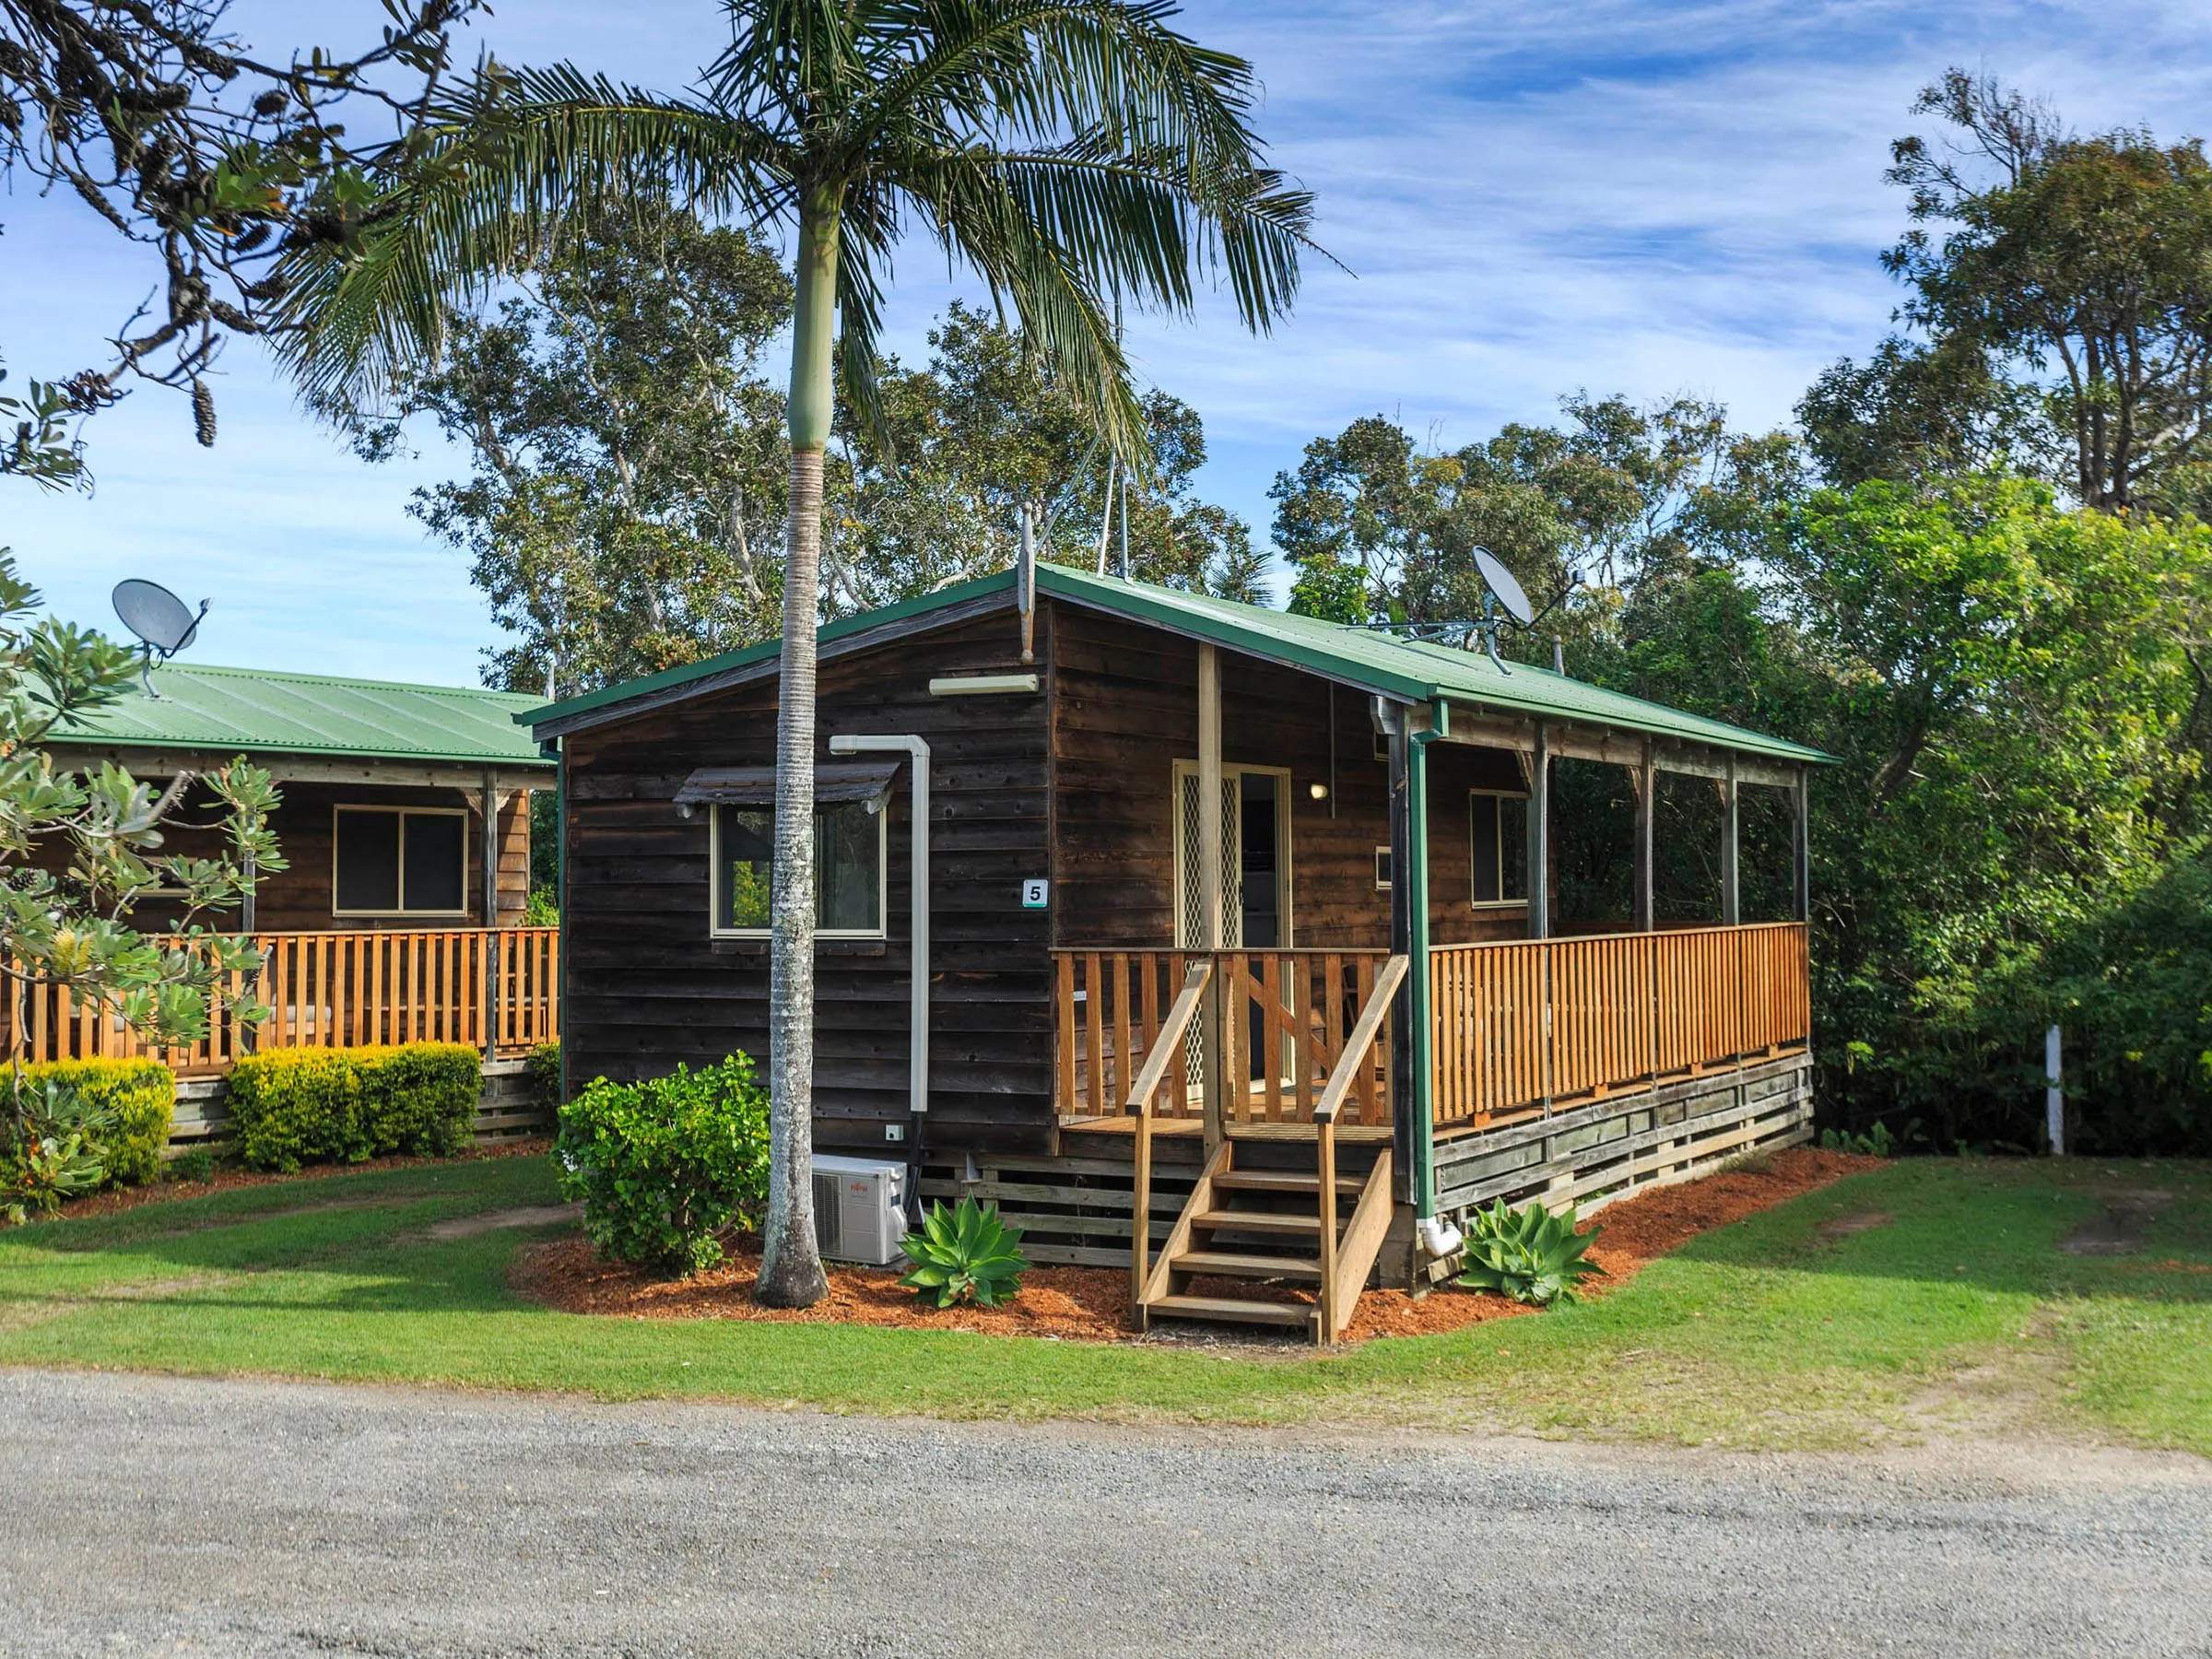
791	1265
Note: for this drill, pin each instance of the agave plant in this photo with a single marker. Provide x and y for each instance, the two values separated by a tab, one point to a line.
965	1254
1530	1254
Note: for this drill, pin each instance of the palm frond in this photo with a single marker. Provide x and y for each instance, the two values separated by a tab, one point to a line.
477	196
1098	80
980	220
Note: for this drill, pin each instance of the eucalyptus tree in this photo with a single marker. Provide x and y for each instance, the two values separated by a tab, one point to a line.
985	435
1069	153
627	461
2082	267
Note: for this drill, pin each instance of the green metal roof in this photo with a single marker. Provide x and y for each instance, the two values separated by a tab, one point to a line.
1415	671
260	711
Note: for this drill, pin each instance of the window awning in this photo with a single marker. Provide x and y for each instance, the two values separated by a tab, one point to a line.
834	781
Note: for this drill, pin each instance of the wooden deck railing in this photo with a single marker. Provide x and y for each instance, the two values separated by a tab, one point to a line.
497	989
1523	1024
1291	1013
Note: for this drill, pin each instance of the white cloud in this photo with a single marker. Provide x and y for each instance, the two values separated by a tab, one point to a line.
1637	197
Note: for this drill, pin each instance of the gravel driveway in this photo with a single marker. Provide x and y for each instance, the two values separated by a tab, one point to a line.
148	1515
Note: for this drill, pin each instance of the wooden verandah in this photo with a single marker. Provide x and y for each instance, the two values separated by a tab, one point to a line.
1299	1048
1395	1053
494	989
1518	1028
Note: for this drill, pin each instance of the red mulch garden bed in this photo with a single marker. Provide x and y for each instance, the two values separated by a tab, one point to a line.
1091	1304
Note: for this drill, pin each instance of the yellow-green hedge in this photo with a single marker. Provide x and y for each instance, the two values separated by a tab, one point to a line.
143	1096
290	1107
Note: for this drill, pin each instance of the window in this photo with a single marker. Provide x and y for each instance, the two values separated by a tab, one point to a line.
399	861
1382	869
1498	871
848	869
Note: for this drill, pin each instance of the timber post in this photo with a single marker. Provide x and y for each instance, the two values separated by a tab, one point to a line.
1647	809
1414	1143
1218	1006
1539	835
1732	907
1801	846
1393	718
491	873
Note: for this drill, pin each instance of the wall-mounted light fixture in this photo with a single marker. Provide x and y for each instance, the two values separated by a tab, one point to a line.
1320	792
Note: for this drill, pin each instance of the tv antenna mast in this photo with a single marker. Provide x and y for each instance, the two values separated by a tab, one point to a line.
164	624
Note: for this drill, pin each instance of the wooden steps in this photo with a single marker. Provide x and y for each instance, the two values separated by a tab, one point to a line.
1235	1263
1257	1222
1279	1180
1237	1309
1276	1218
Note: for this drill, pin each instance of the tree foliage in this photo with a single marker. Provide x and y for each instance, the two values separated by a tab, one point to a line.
1377	529
219	162
2062	285
986	432
72	928
2008	686
628	461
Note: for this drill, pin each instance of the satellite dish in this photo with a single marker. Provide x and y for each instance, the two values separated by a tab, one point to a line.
164	623
1502	582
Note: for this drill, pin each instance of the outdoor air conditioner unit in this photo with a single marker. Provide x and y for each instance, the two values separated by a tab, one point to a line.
859	1208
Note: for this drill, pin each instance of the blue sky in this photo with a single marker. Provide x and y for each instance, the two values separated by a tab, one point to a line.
1640	198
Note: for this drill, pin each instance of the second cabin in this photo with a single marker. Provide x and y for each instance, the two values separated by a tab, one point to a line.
1245	954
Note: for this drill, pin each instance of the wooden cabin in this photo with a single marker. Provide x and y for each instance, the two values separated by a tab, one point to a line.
1241	958
405	828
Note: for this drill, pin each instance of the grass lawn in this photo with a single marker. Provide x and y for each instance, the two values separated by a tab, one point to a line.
1958	1307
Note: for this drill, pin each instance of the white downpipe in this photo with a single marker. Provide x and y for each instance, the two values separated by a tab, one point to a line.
1437	1235
917	1050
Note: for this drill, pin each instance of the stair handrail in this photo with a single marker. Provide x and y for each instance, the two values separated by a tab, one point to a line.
1348	1062
1167	1048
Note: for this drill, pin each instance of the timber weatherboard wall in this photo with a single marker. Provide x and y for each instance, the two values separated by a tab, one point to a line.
647	986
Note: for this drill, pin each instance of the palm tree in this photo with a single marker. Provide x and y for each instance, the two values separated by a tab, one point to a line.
1072	153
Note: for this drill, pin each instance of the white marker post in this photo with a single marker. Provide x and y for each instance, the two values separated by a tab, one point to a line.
2055	1096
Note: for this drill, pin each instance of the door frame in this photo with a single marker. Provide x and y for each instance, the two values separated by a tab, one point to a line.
1287	887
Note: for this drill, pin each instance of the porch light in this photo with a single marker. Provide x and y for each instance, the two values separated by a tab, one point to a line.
1320	792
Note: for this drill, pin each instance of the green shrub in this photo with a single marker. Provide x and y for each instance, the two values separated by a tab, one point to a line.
195	1163
297	1106
1875	1144
545	1075
965	1254
1529	1254
290	1107
419	1098
141	1094
56	1151
664	1165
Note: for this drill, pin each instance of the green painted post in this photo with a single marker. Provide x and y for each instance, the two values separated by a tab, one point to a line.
1416	877
561	900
